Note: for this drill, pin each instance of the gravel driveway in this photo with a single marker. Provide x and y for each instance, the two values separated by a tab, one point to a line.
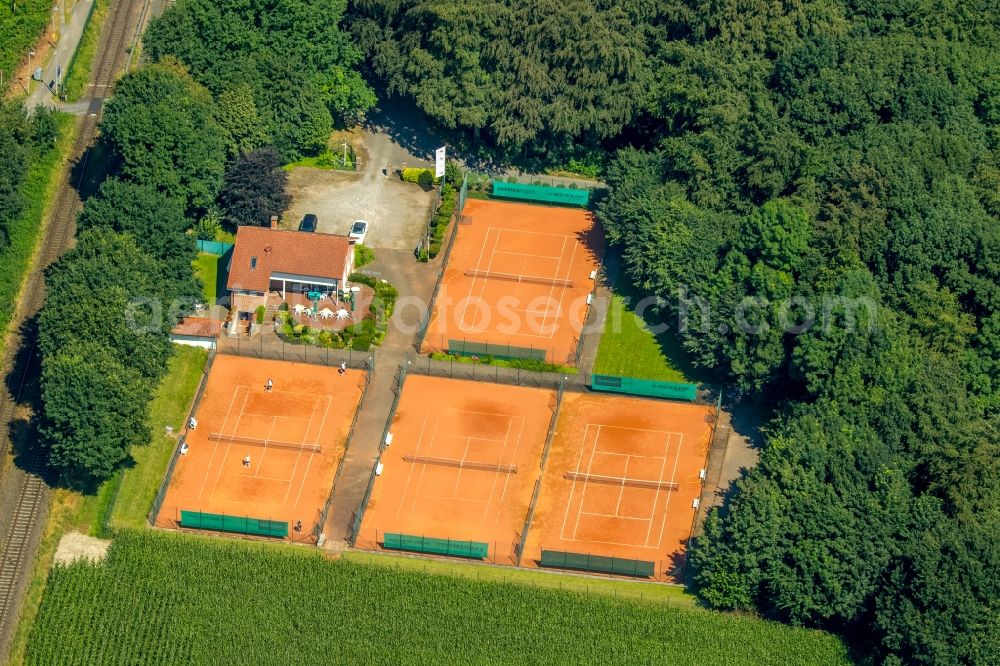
397	211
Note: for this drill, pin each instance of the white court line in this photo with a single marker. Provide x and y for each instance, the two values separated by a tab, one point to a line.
309	457
472	285
409	475
228	444
616	516
260	461
236	392
621	491
572	488
656	497
583	495
423	468
458	476
562	251
673	475
517	444
527	254
496	475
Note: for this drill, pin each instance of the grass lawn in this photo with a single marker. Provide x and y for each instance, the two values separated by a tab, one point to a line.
211	270
167	598
645	348
140	482
40	185
78	73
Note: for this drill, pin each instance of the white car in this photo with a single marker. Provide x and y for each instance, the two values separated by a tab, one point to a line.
359	230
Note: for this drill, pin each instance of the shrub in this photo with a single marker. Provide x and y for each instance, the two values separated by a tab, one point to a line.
283	307
298	329
261	310
325	337
361	343
363	256
423	177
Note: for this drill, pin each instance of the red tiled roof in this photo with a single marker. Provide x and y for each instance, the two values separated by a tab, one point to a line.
198	326
284	251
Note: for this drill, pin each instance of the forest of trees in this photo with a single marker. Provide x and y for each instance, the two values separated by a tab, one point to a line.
813	187
829	161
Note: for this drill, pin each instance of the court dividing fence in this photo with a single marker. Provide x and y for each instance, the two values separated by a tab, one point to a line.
558	559
477	550
359	513
530	516
499	348
564	196
456	369
277	349
221	522
214	247
449	243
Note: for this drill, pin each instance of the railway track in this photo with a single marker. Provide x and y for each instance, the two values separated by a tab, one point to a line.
17	549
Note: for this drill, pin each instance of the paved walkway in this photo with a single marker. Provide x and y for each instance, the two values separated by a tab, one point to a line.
415	282
61	56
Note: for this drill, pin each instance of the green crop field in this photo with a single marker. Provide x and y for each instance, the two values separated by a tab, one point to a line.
165	598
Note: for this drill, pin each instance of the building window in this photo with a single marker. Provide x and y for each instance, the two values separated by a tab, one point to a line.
253	263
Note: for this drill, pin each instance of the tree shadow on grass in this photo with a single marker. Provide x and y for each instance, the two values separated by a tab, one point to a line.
661	325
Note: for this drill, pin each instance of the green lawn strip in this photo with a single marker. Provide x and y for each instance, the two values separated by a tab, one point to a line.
207	268
40	185
163	597
657	592
78	72
169	407
19	32
645	347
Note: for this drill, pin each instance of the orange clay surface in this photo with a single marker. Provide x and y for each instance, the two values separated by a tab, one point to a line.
308	404
522	240
621	437
460	420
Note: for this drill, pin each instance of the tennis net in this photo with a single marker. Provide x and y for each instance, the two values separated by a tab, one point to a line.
464	464
514	277
266	443
620	481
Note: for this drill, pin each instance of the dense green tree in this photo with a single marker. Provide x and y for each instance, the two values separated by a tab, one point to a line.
254	189
108	292
156	222
286	63
521	73
95	410
236	111
162	125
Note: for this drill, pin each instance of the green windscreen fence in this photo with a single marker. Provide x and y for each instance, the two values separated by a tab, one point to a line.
214	247
543	193
506	352
558	559
644	387
221	522
421	544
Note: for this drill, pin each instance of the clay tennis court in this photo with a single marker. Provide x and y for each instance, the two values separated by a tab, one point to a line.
308	407
620	480
518	276
441	424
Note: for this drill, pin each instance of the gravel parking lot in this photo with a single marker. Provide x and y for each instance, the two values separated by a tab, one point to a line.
397	211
